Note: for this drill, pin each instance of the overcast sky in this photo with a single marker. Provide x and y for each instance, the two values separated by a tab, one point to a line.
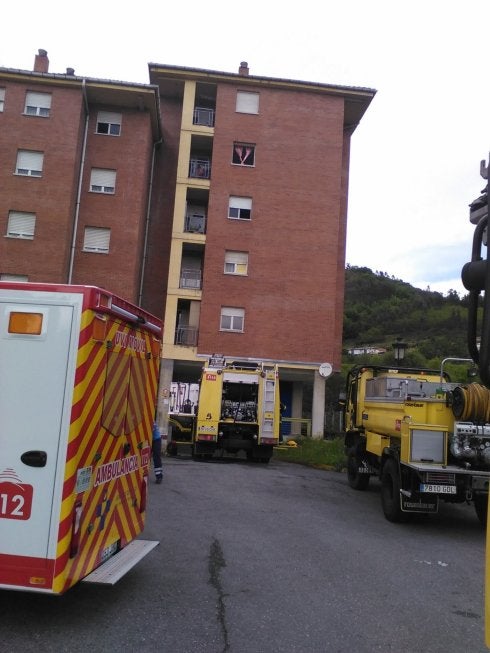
415	157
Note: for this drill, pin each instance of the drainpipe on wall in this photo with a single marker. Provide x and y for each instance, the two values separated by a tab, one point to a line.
79	191
147	221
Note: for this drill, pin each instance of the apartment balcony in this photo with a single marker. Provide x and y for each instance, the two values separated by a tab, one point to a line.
190	279
204	104
200	168
195	223
203	116
186	336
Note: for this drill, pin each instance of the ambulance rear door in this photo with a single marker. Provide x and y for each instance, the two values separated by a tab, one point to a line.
38	344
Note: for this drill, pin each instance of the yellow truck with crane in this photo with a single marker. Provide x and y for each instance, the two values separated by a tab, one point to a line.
425	438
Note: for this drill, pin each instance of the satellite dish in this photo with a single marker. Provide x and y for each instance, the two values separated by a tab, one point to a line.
325	370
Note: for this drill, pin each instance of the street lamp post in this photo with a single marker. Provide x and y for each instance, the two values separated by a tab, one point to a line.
399	349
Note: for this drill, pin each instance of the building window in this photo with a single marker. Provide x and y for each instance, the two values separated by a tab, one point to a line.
240	208
243	154
96	239
22	278
38	104
232	319
102	181
236	263
21	225
109	123
247	102
2	99
29	163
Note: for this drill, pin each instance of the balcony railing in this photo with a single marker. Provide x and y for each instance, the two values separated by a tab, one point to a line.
200	168
203	116
186	335
190	279
195	223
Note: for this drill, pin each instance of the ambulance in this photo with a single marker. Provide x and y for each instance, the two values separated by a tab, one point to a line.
78	385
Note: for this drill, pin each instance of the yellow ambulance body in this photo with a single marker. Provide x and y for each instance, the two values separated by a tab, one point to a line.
78	383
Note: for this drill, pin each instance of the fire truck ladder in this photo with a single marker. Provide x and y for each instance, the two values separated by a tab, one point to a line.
268	401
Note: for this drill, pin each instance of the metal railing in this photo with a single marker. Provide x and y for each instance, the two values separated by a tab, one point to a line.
190	279
203	116
186	335
200	168
195	224
293	426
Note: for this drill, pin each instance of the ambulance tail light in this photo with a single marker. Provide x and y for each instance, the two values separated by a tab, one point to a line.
144	492
25	323
75	529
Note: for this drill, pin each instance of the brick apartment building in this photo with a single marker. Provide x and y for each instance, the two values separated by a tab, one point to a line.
253	202
217	200
75	166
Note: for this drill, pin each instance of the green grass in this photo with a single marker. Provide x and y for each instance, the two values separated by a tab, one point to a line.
317	453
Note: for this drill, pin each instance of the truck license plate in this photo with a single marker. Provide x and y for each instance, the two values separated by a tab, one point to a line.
438	489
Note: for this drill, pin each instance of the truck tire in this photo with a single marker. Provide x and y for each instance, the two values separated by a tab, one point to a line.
481	508
356	481
390	492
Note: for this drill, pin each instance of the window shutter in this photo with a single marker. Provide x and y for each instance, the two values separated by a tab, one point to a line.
101	177
30	160
96	239
42	100
109	117
241	202
240	258
22	278
247	102
21	225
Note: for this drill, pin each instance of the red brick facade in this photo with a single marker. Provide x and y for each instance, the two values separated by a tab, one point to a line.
51	197
60	197
292	294
294	285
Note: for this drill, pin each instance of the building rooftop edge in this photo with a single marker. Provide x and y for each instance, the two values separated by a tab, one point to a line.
78	78
149	93
203	72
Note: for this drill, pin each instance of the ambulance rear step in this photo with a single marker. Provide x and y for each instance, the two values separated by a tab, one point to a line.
119	564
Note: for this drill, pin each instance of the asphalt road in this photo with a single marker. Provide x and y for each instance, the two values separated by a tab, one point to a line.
274	558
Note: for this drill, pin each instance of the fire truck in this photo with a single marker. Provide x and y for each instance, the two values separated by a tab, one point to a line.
78	384
238	409
425	438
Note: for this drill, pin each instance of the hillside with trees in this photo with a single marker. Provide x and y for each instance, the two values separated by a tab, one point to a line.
379	309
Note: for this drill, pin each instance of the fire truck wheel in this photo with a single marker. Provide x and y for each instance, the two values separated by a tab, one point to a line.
356	481
390	492
481	508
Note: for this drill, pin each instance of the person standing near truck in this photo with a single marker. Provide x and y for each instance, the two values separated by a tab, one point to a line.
156	450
